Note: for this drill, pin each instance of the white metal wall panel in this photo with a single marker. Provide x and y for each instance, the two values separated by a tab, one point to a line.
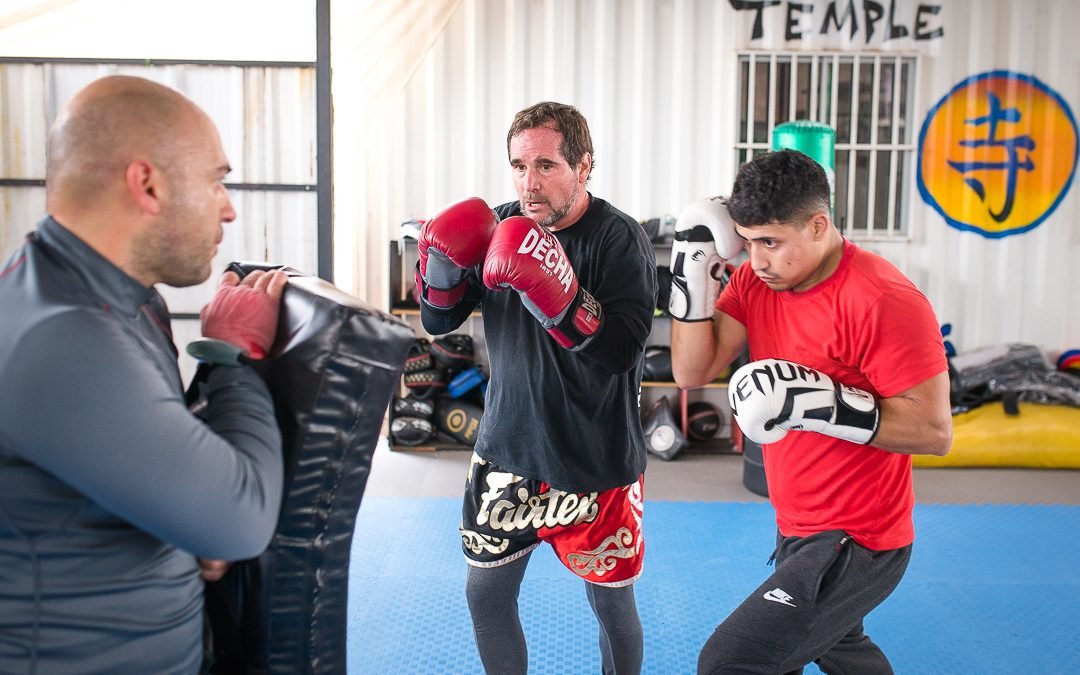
651	77
657	81
20	208
266	117
23	122
270	226
235	30
1021	288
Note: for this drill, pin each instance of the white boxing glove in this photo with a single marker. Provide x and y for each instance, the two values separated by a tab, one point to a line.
705	239
771	397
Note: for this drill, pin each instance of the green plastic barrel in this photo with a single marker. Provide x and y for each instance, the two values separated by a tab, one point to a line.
814	139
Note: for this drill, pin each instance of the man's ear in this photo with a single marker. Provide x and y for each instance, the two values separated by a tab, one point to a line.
584	167
820	224
144	186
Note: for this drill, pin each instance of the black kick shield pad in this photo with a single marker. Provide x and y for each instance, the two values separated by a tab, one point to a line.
332	370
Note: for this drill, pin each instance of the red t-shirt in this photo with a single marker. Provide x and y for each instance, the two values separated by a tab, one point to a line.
866	326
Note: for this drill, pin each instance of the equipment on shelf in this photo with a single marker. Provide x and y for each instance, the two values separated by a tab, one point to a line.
663	293
411	430
657	364
419	357
454	351
460	419
662	436
466	381
411	406
702	421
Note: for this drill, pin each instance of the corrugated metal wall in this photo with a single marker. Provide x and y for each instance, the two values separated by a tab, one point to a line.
1023	288
657	81
266	117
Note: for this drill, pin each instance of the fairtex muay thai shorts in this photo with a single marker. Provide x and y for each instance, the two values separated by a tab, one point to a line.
596	535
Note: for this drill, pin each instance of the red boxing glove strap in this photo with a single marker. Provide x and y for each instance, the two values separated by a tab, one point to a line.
579	323
440	298
444	298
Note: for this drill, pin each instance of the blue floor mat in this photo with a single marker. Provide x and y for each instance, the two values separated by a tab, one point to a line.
991	589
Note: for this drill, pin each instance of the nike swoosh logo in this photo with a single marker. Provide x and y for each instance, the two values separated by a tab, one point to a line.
777	595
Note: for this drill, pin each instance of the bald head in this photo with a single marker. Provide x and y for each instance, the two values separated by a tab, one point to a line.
107	125
136	171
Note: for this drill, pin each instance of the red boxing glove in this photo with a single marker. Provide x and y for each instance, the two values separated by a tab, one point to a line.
528	258
242	315
453	241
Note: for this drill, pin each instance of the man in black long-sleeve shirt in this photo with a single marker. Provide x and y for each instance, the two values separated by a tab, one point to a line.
112	494
560	454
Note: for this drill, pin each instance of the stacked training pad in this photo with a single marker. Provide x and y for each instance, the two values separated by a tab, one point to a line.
332	370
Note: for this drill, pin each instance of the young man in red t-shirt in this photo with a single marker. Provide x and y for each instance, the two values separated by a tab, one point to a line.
847	380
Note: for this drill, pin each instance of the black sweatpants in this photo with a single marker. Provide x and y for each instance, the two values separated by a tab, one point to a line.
810	609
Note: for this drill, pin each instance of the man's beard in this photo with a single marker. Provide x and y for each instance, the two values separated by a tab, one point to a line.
171	255
556	214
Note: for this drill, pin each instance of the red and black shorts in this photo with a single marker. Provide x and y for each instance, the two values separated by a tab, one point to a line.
597	535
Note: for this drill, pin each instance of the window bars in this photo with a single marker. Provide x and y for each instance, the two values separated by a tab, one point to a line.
868	99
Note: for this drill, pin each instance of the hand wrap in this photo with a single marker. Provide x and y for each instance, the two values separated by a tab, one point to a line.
242	316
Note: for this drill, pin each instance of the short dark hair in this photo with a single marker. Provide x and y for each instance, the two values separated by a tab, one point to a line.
785	186
566	119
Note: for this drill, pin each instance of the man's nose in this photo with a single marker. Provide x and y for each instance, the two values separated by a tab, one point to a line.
228	213
531	180
758	261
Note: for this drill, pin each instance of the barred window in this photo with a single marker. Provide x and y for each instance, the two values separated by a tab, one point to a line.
868	99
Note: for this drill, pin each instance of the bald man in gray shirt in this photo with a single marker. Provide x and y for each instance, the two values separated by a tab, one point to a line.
115	501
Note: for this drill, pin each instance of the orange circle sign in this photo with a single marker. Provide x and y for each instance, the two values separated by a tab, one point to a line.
997	154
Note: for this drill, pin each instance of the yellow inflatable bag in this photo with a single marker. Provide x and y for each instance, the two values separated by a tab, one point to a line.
1041	436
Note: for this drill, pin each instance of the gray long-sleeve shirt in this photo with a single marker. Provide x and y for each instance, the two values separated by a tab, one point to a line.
109	486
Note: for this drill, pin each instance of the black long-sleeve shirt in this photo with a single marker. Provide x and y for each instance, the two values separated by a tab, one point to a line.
568	418
109	486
